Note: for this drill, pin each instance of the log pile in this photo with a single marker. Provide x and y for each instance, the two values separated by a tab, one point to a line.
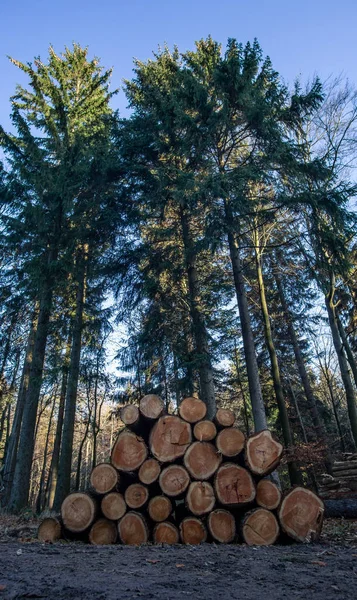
184	478
342	482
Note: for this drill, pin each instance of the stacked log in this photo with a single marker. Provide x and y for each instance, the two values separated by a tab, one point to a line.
343	480
184	478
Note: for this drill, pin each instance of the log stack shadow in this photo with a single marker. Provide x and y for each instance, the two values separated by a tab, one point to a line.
185	478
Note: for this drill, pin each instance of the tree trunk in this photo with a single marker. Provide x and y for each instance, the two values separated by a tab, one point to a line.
21	484
255	392
40	496
65	461
294	473
301	515
342	361
199	326
347	347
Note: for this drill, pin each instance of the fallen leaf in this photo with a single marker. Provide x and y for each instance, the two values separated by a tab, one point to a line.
179	566
153	562
19	552
320	563
2	588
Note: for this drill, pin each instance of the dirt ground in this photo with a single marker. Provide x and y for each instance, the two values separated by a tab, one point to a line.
324	571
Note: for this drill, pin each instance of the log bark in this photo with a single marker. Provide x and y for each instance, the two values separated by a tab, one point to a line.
224	418
221	525
160	508
113	506
268	494
260	528
49	530
133	529
192	531
149	471
234	485
129	452
151	407
136	496
202	460
104	478
78	512
130	416
200	498
341	508
230	442
263	453
166	533
170	438
192	410
103	532
174	480
205	431
301	515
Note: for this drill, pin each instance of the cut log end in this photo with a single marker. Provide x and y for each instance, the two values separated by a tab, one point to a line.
151	406
136	496
260	528
113	506
49	530
104	478
221	525
78	511
192	531
170	438
205	431
301	515
224	417
263	453
133	529
200	498
130	415
268	494
160	508
202	460
166	533
149	471
174	480
230	442
129	452
103	532
234	485
192	410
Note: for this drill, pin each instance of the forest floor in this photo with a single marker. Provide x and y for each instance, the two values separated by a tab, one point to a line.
69	571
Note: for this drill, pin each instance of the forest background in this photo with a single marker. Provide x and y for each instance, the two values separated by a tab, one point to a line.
200	241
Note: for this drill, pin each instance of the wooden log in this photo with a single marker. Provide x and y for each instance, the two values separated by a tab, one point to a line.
166	533
234	485
344	464
160	508
133	529
192	531
136	496
200	498
341	508
170	438
192	410
230	442
113	506
205	431
202	460
263	453
78	512
174	480
224	418
149	471
222	526
301	514
103	532
151	407
260	527
268	494
345	474
130	416
49	530
129	452
104	478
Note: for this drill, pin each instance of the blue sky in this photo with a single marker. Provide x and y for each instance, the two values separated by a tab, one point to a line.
301	37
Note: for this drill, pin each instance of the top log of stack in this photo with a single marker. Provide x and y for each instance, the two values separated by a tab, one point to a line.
185	478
